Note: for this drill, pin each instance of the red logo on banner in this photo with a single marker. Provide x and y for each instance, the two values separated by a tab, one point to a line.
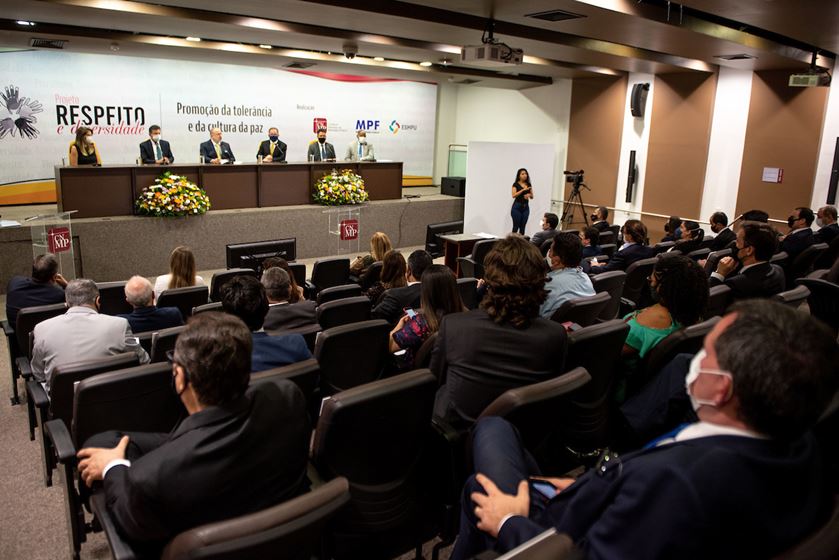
59	239
349	230
318	123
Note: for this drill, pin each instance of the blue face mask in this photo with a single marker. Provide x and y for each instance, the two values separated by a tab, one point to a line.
274	138
678	233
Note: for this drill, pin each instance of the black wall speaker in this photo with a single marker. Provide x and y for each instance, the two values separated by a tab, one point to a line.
453	186
631	176
834	177
639	99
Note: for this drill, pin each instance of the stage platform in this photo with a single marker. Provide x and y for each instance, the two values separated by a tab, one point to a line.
116	248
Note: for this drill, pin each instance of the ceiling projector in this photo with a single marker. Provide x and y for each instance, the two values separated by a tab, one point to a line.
491	54
810	79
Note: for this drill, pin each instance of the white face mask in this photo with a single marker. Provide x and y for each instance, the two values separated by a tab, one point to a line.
819	222
156	137
693	374
362	140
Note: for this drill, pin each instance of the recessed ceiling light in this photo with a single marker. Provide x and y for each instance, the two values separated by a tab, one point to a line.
445	61
194	39
379	58
269	47
24	22
425	63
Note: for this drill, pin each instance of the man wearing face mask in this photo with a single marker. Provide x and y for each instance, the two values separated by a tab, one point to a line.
744	479
241	449
723	235
566	280
800	235
272	150
154	150
828	228
321	150
757	277
360	149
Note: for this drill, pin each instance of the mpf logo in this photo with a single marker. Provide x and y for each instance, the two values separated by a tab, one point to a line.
349	230
318	123
366	125
59	239
394	126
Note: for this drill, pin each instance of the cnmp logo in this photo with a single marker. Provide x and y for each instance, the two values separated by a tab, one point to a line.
394	126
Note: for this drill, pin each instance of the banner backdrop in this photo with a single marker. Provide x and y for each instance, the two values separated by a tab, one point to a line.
45	96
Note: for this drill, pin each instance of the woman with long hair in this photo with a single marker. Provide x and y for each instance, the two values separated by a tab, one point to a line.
379	245
181	272
83	150
394	268
296	292
522	194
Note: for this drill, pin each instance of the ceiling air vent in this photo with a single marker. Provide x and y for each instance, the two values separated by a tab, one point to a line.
299	65
555	15
46	43
740	56
467	81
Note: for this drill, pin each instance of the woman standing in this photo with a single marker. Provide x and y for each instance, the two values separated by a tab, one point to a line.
83	151
522	194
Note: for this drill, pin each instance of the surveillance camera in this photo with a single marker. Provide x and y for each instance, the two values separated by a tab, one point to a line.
350	50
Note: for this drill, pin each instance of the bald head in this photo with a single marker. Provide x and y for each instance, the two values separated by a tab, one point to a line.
139	292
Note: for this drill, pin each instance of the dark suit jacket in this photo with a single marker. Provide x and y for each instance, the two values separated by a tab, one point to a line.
145	319
762	280
314	151
291	315
219	463
541	236
827	233
722	240
477	359
23	292
714	497
794	243
395	300
208	151
622	259
591	251
279	150
275	351
601	226
147	151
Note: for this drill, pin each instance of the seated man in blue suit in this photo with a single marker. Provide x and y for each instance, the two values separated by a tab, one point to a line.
146	317
245	297
215	151
800	234
745	481
155	150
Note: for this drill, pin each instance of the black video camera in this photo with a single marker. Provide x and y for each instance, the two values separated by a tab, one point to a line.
575	177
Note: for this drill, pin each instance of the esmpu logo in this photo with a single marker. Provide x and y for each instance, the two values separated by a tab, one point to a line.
394	126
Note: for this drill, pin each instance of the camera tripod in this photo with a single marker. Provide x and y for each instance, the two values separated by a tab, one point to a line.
574	201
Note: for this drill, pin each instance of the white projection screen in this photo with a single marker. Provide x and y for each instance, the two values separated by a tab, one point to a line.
490	172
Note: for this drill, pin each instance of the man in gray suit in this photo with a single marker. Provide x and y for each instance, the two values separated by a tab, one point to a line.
281	313
79	335
360	149
321	150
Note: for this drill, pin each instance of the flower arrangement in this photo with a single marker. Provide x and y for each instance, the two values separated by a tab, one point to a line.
172	195
337	188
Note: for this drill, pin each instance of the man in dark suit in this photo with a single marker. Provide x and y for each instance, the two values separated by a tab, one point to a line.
155	150
717	488
239	451
44	287
321	150
395	300
828	228
549	223
282	314
245	298
757	278
723	234
599	219
146	316
590	237
215	151
800	235
633	249
272	150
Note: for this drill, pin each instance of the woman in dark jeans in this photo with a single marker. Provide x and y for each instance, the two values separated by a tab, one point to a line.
522	193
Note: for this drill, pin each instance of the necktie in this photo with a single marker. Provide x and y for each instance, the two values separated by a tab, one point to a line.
158	152
322	157
218	151
273	145
359	150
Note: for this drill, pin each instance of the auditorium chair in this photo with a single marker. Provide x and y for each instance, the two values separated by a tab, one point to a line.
546	246
794	297
308	332
58	405
215	306
616	229
326	273
112	298
145	340
549	545
719	298
472	266
707	242
219	279
298	270
422	359
611	282
699	254
376	436
584	311
344	311
163	341
636	286
184	299
829	257
137	399
351	355
608	249
606	237
714	259
663	247
803	263
433	244
468	288
27	318
823	300
338	292
779	258
371	275
305	375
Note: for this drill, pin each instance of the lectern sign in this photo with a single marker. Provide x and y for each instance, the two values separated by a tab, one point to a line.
349	230
59	240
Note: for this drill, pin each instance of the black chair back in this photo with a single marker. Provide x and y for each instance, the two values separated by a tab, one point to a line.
304	374
299	272
371	275
606	237
823	301
663	247
308	332
221	278
779	258
616	230
338	292
215	306
583	311
707	243
719	298
422	359
351	355
468	288
829	257
112	298
608	249
803	263
637	278
433	244
611	282
28	317
344	311
794	297
546	246
145	340
163	341
184	299
327	273
714	259
473	266
699	254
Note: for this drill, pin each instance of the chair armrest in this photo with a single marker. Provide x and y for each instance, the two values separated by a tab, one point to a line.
627	306
24	367
38	394
120	548
8	329
59	436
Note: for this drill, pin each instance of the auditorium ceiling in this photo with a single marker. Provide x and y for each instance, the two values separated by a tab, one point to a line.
560	38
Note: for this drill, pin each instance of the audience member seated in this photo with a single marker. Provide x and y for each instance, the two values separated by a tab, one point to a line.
146	317
393	275
439	296
296	292
244	297
395	300
633	248
504	343
282	314
591	238
566	280
379	245
723	235
44	287
549	223
800	235
755	216
757	278
599	219
828	228
745	481
239	451
181	272
79	335
672	229
691	237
